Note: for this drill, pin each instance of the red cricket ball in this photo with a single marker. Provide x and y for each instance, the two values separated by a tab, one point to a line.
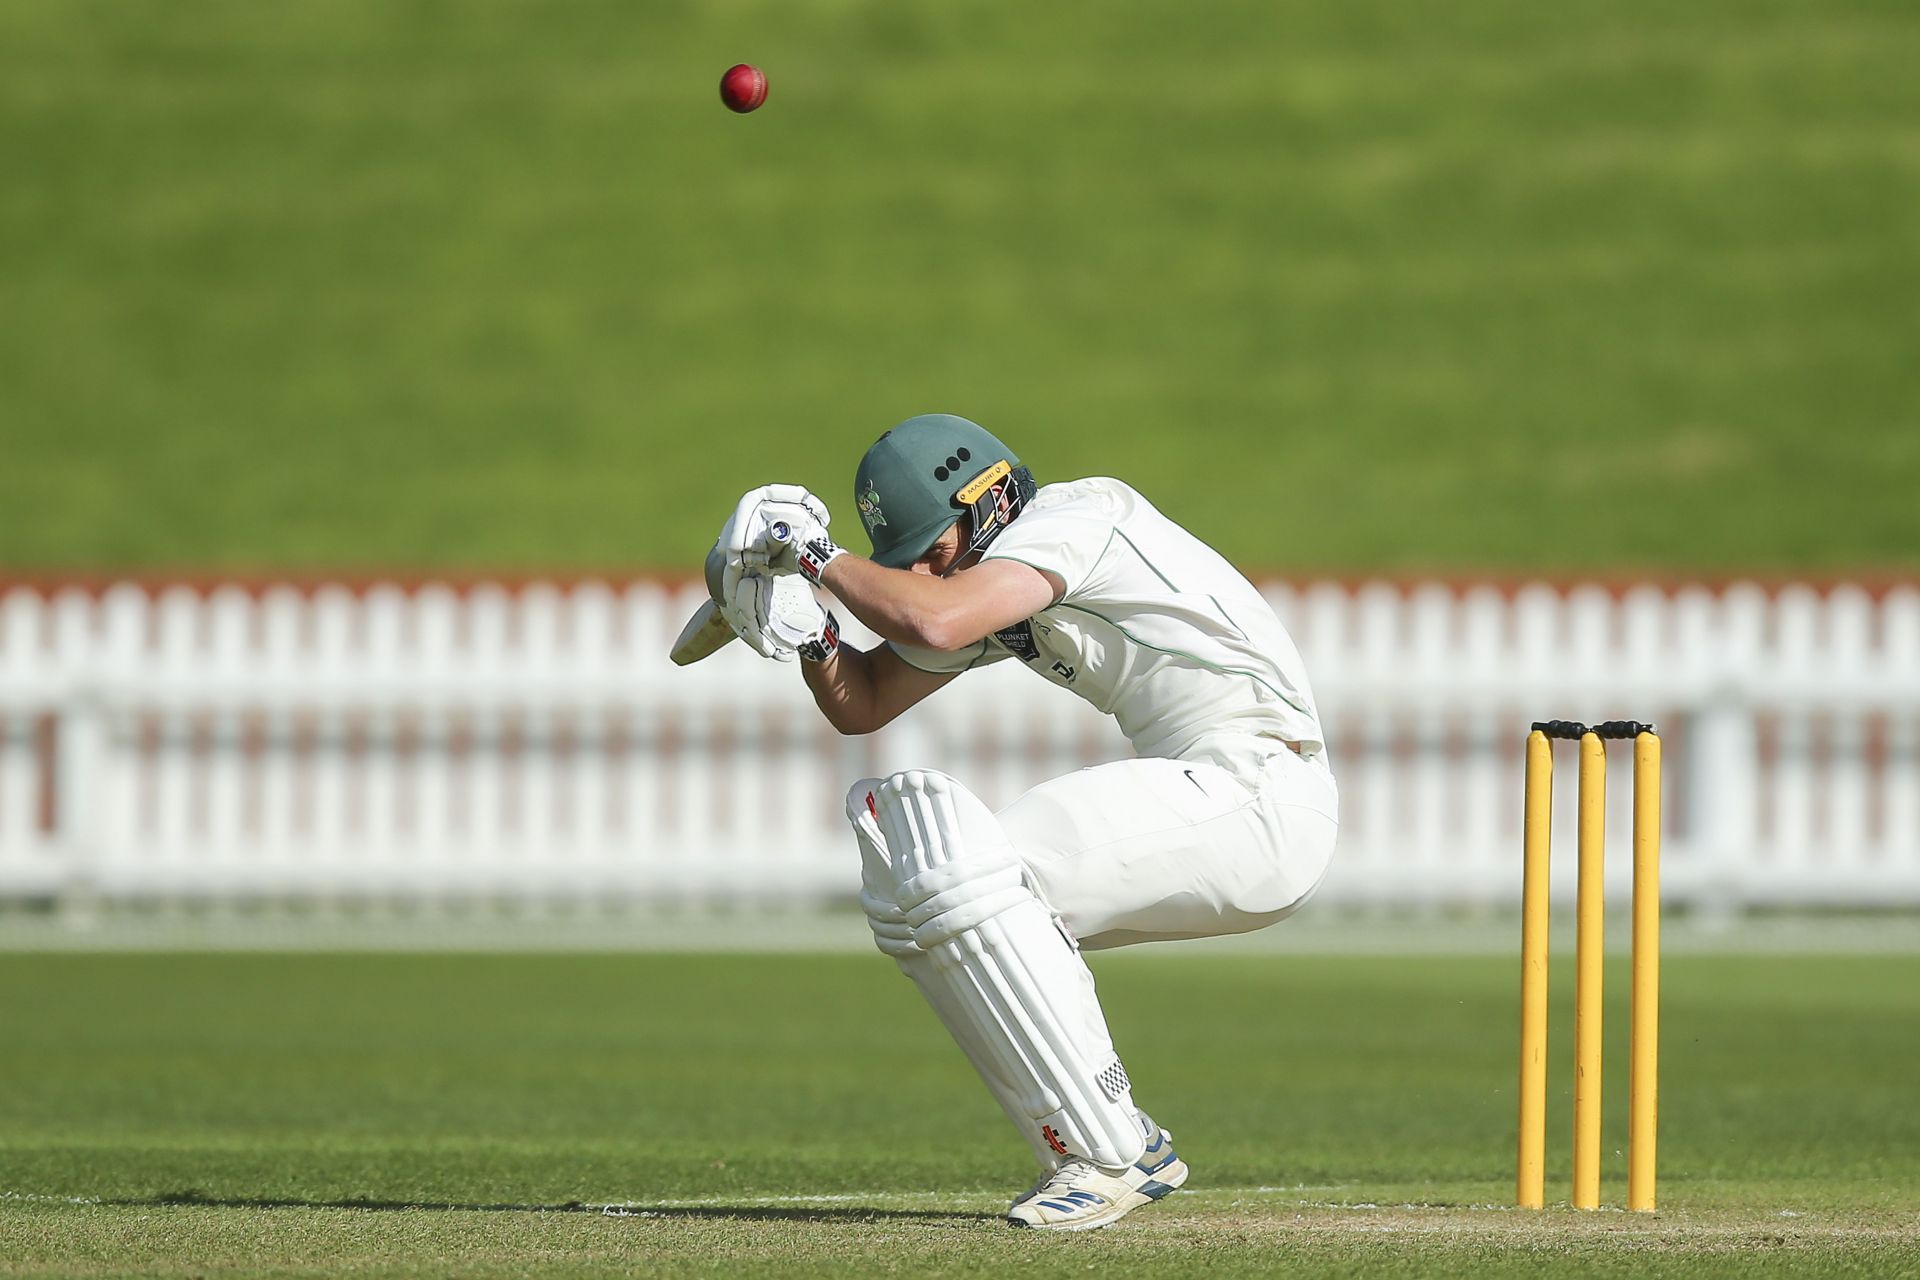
744	87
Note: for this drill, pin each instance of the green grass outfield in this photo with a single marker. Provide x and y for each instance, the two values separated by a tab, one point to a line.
435	1115
1342	284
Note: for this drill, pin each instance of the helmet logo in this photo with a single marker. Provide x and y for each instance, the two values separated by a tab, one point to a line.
869	504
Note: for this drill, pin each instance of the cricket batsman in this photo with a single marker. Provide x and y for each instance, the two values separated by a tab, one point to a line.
1224	823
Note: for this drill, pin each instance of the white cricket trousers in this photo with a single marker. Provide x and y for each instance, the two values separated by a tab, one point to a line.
1230	837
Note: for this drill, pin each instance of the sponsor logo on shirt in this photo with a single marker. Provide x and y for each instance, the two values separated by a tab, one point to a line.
1018	640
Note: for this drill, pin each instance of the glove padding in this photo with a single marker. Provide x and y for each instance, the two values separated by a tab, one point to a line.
776	615
760	548
770	525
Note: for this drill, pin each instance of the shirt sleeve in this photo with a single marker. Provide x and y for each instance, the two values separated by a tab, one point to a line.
1068	540
945	661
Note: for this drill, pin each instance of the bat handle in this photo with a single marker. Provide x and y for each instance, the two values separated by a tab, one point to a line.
780	531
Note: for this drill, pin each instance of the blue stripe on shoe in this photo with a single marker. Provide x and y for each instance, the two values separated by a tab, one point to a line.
1063	1208
1158	1165
1154	1190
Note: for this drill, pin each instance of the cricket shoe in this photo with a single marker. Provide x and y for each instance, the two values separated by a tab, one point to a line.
1080	1195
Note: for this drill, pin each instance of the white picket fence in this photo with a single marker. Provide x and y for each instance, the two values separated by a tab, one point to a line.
533	742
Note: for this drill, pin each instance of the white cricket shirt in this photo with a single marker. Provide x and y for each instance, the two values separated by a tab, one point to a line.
1155	628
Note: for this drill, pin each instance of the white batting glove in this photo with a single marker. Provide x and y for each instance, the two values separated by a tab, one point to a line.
794	617
742	605
769	522
779	617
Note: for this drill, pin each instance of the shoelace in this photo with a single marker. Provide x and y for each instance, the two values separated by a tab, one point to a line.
1064	1177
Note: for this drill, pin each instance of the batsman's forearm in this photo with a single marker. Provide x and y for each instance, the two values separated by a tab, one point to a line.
896	604
842	687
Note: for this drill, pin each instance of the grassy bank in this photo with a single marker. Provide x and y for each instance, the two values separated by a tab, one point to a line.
362	284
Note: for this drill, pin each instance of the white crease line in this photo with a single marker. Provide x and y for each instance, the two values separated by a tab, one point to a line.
842	1197
630	1208
640	1208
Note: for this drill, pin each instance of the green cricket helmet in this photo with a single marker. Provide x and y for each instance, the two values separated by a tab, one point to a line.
926	473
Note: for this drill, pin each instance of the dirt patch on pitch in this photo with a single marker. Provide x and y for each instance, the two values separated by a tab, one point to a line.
1556	1230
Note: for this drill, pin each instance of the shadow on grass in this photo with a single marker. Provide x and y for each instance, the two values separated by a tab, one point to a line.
746	1212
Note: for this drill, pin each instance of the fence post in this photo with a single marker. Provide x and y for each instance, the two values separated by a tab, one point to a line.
80	740
1723	801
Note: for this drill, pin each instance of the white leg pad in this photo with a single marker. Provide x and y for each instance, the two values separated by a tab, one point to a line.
960	919
894	936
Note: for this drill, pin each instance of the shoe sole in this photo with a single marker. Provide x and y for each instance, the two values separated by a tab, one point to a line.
1163	1183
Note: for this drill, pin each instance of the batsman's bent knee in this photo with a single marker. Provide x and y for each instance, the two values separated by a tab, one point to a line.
879	896
947	896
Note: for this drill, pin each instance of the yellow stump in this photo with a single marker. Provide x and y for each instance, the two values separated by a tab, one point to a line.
1590	954
1530	1179
1643	1112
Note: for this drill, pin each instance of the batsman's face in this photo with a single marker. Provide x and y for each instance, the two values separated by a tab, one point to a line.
943	557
